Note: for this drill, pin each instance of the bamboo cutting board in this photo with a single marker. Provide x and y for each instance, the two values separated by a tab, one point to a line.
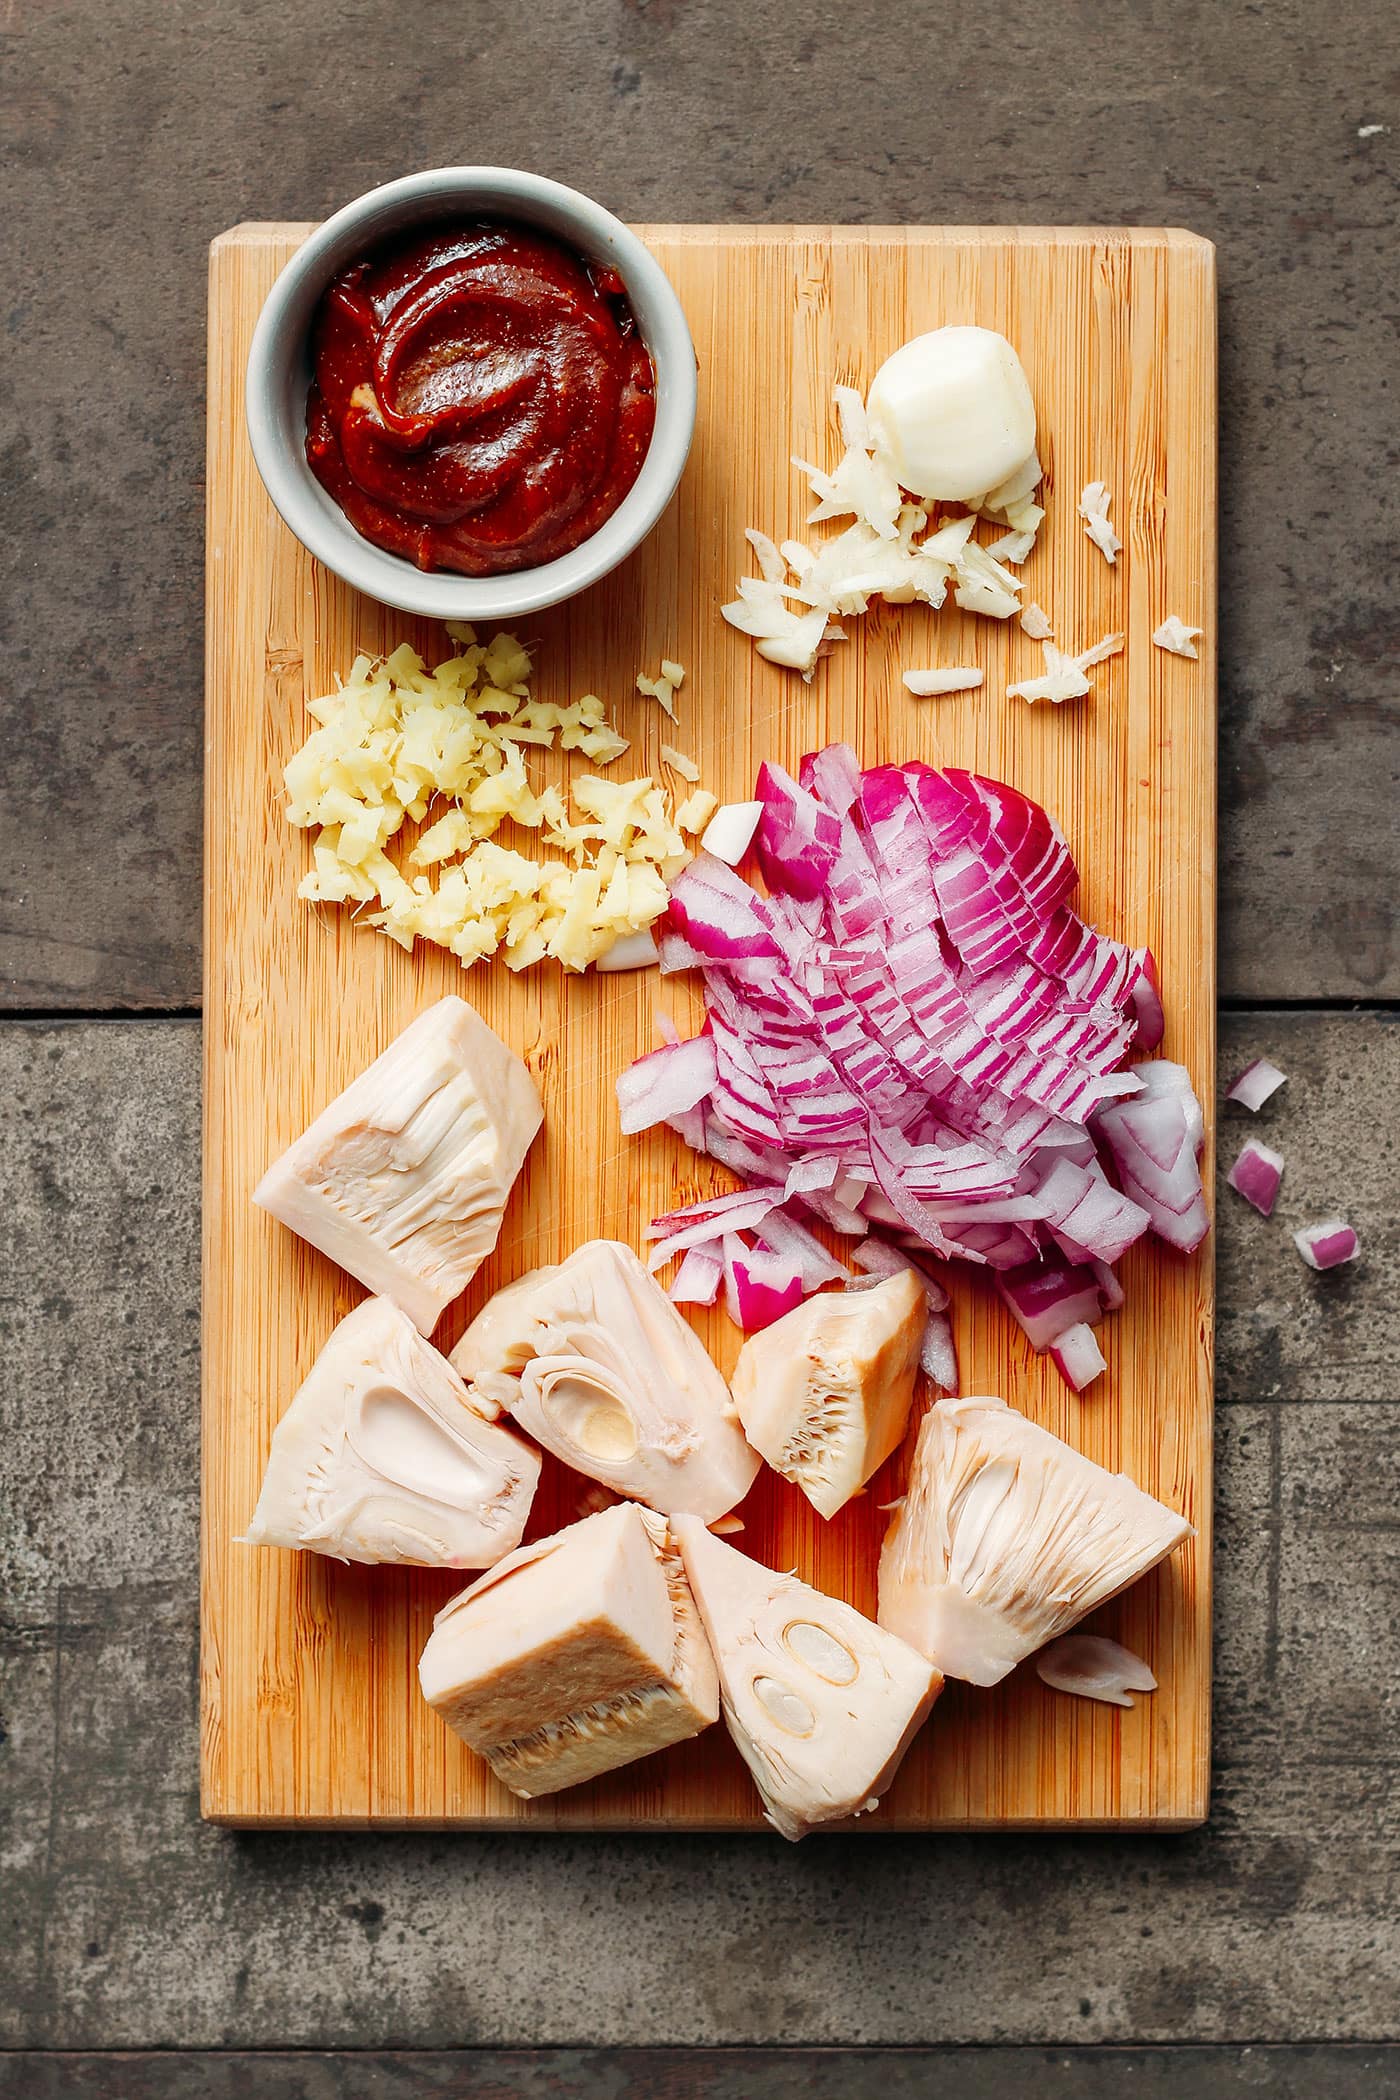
310	1710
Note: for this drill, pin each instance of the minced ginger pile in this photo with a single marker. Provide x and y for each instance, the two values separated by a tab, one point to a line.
396	737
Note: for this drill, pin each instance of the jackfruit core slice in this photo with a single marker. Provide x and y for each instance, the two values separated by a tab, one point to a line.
821	1703
825	1392
382	1457
1007	1537
577	1654
593	1359
404	1178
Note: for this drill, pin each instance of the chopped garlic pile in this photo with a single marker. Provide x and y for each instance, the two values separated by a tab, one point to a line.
1175	636
792	609
1093	509
1065	676
397	737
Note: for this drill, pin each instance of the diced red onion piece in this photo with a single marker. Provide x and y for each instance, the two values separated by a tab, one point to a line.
1078	1357
1110	1289
1047	1300
729	833
1094	1668
1256	1175
938	1356
665	1083
1256	1083
699	1276
666	1027
634	951
758	1288
1327	1245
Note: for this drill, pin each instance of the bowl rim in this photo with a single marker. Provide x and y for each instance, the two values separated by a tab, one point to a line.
278	374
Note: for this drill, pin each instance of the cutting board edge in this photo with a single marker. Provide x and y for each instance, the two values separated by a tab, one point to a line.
216	1806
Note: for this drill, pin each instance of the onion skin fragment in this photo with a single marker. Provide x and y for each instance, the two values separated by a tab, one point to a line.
1090	1666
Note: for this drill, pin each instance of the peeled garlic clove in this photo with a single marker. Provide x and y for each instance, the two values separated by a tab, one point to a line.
821	1703
1007	1537
404	1179
592	1358
579	1653
951	414
382	1457
825	1392
1093	1667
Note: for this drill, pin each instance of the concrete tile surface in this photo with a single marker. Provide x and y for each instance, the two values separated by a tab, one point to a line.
131	1924
136	131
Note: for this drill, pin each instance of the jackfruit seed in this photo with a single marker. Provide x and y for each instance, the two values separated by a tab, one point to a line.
594	1361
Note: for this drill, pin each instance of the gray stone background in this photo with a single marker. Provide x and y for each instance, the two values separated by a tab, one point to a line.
1260	1953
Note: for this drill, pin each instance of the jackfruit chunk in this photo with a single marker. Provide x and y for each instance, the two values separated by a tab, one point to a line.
1007	1537
577	1654
592	1358
821	1703
382	1457
825	1392
403	1180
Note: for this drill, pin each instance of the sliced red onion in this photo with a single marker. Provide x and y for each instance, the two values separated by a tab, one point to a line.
798	838
718	915
758	1288
1256	1175
726	1214
1046	1300
1327	1245
1147	1003
1256	1083
666	1027
784	1236
1093	1667
634	951
1078	1357
665	1083
938	1356
914	1031
699	1276
729	833
880	1260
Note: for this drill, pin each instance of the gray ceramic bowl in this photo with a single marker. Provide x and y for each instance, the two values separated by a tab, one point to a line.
279	374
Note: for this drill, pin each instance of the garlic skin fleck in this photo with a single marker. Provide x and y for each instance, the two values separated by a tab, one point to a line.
1007	1537
821	1703
825	1392
594	1361
1093	1667
579	1653
381	1457
405	1177
951	414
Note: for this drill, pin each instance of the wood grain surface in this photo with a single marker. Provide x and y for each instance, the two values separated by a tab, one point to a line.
310	1705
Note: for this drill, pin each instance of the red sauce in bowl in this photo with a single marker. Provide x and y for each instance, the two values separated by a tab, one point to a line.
482	398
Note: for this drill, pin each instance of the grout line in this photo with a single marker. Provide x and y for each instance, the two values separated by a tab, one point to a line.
86	1016
56	1016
